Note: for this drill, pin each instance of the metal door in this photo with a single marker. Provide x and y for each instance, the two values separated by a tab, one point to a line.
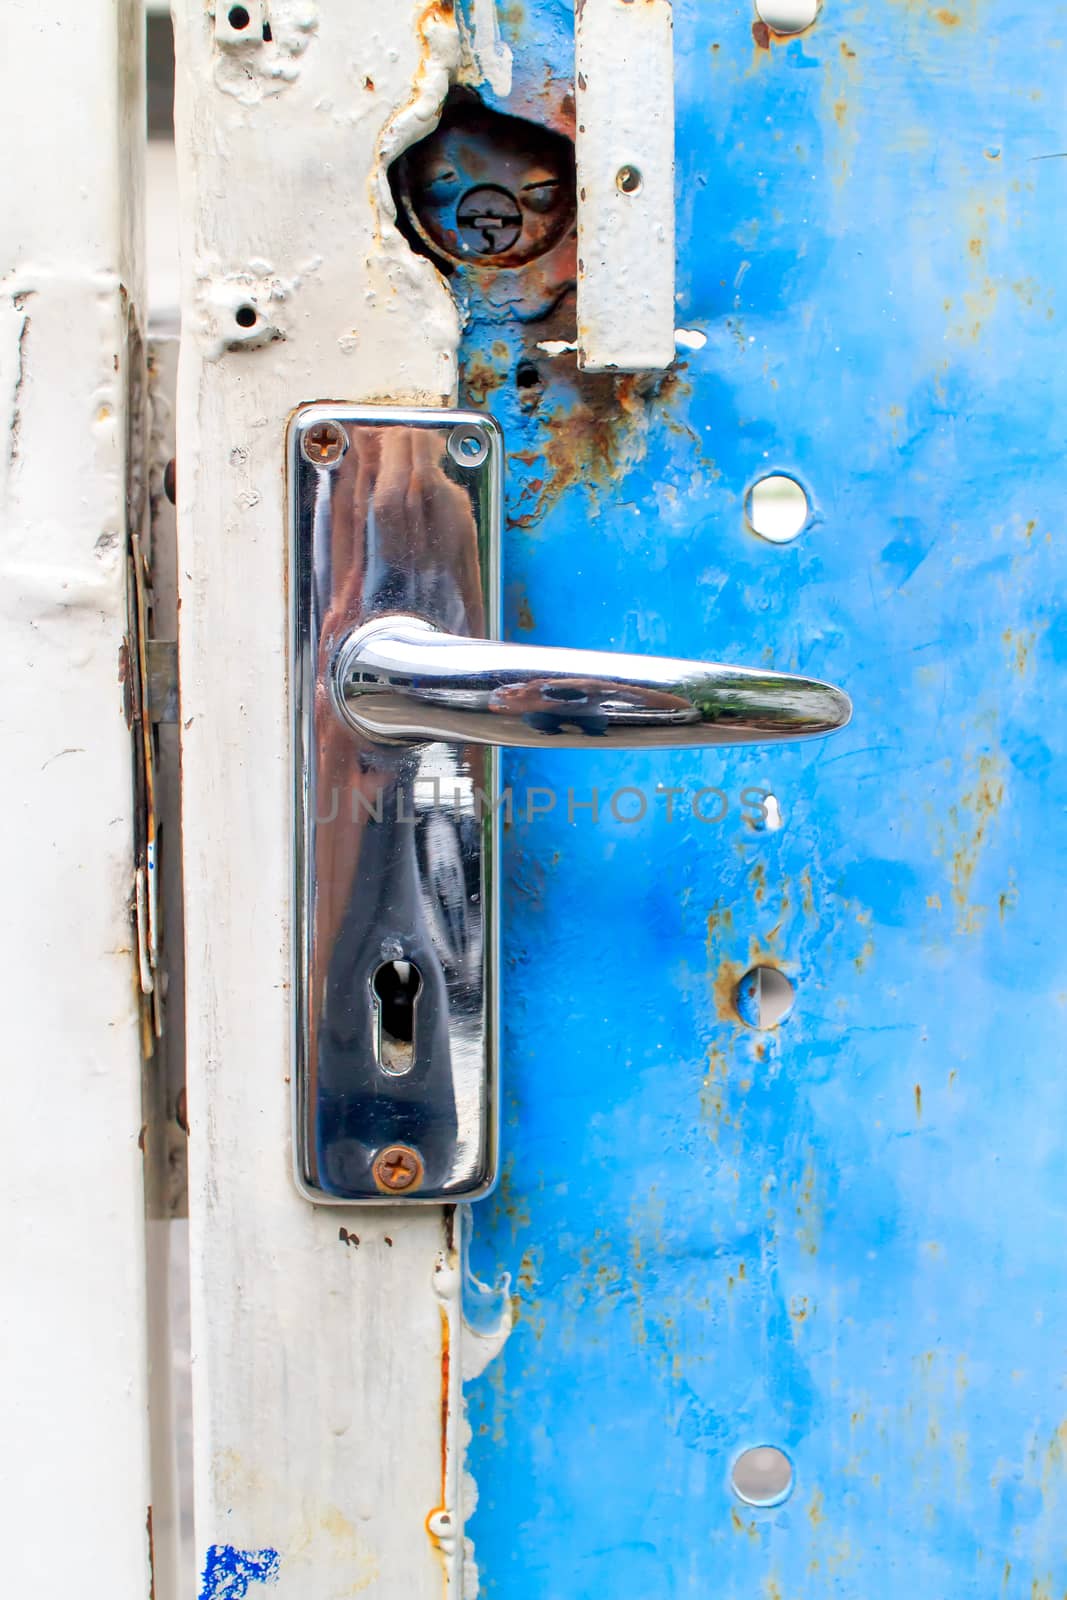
841	1235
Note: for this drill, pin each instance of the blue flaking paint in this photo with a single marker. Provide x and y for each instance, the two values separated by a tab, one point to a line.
228	1572
845	1237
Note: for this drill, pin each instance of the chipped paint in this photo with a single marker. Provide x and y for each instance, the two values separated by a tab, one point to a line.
264	67
230	1573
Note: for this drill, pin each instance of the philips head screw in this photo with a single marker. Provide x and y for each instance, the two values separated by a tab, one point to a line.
323	444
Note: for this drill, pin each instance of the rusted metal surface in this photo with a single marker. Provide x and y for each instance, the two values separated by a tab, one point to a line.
839	1235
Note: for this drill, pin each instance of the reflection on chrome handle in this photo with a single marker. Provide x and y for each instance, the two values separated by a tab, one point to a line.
399	678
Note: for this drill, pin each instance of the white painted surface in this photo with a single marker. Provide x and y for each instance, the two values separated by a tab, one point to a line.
319	1363
625	105
72	1314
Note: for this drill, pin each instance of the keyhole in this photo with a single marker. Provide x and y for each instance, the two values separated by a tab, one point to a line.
396	986
489	220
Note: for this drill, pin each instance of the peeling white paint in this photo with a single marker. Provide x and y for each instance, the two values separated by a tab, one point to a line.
488	1310
249	67
222	301
486	58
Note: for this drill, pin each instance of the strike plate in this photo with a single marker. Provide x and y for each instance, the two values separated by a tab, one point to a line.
395	1072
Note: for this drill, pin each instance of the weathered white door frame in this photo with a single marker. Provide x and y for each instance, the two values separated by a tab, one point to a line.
74	1518
326	1342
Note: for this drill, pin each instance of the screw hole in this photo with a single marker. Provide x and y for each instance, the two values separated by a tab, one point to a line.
777	508
628	180
762	1476
765	997
238	18
526	375
245	316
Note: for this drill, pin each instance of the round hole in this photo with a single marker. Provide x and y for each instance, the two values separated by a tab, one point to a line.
245	316
777	508
628	179
765	997
762	1476
526	375
787	16
468	446
238	18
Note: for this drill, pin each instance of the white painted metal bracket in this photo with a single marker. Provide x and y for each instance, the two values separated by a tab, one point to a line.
624	71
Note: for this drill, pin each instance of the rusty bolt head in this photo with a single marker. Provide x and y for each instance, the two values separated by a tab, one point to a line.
323	444
397	1168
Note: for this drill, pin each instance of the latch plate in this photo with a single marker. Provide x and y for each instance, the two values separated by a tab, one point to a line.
395	1076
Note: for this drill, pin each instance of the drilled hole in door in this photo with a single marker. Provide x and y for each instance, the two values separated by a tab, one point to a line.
777	508
764	997
787	16
762	1476
396	987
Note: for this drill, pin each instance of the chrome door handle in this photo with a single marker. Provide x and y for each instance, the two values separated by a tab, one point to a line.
399	699
400	678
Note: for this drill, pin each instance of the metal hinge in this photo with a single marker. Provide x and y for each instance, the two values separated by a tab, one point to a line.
150	677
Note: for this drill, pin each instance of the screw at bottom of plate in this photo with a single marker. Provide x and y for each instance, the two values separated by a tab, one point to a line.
397	1168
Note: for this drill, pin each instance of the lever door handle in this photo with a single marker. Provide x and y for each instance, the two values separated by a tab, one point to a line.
401	693
399	678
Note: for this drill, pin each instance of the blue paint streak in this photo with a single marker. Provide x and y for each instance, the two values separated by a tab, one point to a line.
228	1572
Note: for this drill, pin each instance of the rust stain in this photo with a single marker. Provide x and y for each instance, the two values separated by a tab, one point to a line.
807	895
799	1308
724	989
970	825
446	1370
808	1209
739	1525
595	434
506	1203
525	617
1019	647
529	1268
713	1092
815	1510
480	378
842	80
1007	900
762	35
919	1101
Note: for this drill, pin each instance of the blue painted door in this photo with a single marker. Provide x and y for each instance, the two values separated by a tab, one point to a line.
842	1236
